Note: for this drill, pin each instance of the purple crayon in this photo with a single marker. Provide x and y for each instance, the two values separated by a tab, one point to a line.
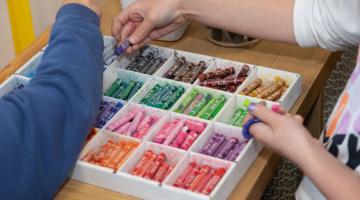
219	141
234	153
122	48
210	143
225	149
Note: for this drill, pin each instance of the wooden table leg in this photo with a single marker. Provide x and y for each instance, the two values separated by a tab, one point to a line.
314	121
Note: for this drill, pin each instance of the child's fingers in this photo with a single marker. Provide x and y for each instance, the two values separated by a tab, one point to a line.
264	114
128	28
118	23
278	109
261	132
299	118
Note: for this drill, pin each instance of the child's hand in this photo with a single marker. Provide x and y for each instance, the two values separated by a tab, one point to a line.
146	20
284	134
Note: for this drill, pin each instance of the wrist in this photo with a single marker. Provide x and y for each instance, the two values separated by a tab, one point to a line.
309	153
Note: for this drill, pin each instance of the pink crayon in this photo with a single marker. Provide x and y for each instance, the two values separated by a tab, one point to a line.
115	125
123	128
146	120
190	139
163	133
174	132
140	134
139	115
180	138
196	126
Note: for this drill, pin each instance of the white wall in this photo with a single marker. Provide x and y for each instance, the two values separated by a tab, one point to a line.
43	13
7	51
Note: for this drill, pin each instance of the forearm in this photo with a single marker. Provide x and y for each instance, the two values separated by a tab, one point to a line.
334	180
271	20
46	123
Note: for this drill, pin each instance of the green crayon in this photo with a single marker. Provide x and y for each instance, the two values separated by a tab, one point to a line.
173	98
159	95
239	122
205	100
186	102
206	108
236	116
219	106
150	94
125	94
113	88
119	90
165	97
136	88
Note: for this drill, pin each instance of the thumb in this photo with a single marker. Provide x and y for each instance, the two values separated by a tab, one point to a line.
262	133
142	31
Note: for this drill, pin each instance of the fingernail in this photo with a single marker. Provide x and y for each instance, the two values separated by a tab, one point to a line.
276	108
132	40
252	107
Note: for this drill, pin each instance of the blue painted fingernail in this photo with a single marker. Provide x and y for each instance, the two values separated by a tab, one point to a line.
252	107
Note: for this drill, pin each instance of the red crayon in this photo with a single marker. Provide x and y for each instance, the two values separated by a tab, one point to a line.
191	177
209	187
204	181
148	165
179	182
162	172
155	167
142	162
204	170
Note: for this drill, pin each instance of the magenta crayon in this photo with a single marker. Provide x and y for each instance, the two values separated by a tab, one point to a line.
121	121
196	126
123	129
174	132
180	138
190	138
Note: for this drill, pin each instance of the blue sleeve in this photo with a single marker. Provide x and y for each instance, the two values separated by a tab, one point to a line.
44	126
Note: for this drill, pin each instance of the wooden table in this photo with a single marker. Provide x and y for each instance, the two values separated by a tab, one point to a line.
314	64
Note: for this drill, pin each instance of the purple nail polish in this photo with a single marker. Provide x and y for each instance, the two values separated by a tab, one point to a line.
252	107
